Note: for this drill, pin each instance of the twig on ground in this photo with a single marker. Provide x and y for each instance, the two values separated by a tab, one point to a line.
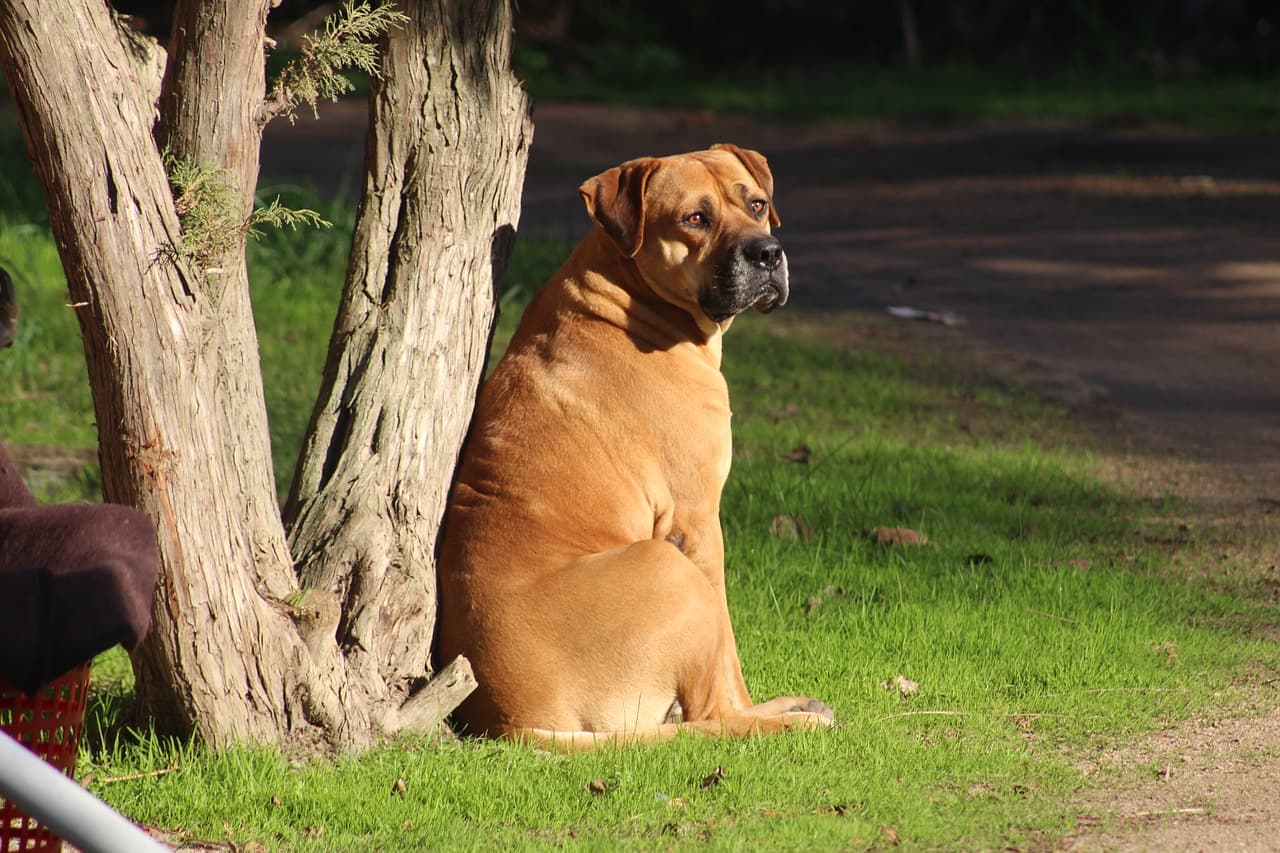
1187	810
132	777
973	714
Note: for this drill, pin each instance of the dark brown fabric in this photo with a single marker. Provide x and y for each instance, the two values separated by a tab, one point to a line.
12	490
74	581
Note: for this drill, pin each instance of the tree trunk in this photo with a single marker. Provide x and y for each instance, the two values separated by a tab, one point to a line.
170	356
445	156
173	362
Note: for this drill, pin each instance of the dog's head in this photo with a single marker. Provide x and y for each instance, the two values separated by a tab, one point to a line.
697	226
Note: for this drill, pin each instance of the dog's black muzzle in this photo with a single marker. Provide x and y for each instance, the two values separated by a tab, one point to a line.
754	275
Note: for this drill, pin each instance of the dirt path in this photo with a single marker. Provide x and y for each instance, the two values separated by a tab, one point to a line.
1134	274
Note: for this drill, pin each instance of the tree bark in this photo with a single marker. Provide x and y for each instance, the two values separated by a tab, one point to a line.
172	362
238	651
445	156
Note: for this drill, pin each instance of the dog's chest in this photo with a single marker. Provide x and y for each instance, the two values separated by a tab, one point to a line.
692	433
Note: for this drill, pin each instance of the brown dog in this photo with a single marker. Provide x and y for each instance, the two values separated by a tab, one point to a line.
582	565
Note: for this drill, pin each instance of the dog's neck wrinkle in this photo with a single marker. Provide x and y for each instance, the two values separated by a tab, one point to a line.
612	289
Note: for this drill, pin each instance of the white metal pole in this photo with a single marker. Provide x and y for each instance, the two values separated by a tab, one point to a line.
80	818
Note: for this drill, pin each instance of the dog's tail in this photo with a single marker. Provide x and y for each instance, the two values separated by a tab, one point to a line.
742	726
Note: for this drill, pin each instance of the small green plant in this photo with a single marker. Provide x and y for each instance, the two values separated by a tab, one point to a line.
209	208
279	216
346	41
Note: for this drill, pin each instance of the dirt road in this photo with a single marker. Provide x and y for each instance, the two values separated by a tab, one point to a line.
1133	273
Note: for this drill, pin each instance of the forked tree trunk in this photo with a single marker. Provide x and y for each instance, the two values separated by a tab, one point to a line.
172	360
440	205
172	353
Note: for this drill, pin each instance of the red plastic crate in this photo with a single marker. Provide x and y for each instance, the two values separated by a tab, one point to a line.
48	723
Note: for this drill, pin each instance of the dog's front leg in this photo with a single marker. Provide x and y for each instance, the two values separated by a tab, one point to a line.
699	537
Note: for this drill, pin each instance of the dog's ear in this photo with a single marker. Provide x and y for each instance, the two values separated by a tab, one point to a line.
758	166
615	200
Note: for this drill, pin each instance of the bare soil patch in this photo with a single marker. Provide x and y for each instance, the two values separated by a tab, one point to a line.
1133	274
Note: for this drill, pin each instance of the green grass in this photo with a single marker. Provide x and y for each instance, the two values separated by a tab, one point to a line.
1027	656
1037	621
1024	658
45	387
1227	103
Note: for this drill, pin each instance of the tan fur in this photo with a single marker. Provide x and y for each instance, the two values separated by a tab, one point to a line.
582	565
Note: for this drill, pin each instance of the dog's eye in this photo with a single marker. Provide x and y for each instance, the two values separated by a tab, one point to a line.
697	219
758	207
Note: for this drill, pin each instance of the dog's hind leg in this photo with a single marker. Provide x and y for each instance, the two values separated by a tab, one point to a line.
623	633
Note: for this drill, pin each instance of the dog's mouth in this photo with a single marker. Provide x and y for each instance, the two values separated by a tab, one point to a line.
739	285
774	296
764	297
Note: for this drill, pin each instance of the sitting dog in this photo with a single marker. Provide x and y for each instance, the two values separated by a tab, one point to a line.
582	566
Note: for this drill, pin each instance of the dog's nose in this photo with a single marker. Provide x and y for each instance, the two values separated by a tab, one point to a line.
765	252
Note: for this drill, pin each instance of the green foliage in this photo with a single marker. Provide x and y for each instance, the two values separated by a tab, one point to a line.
279	216
209	211
346	41
43	380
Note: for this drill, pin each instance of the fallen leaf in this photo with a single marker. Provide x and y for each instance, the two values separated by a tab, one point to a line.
713	778
898	536
275	801
792	527
1079	565
800	455
1169	650
890	835
828	592
785	412
399	788
905	686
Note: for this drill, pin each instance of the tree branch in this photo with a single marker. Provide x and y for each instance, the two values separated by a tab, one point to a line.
425	710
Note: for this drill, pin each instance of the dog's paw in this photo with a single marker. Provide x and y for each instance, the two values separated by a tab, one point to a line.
817	707
805	721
